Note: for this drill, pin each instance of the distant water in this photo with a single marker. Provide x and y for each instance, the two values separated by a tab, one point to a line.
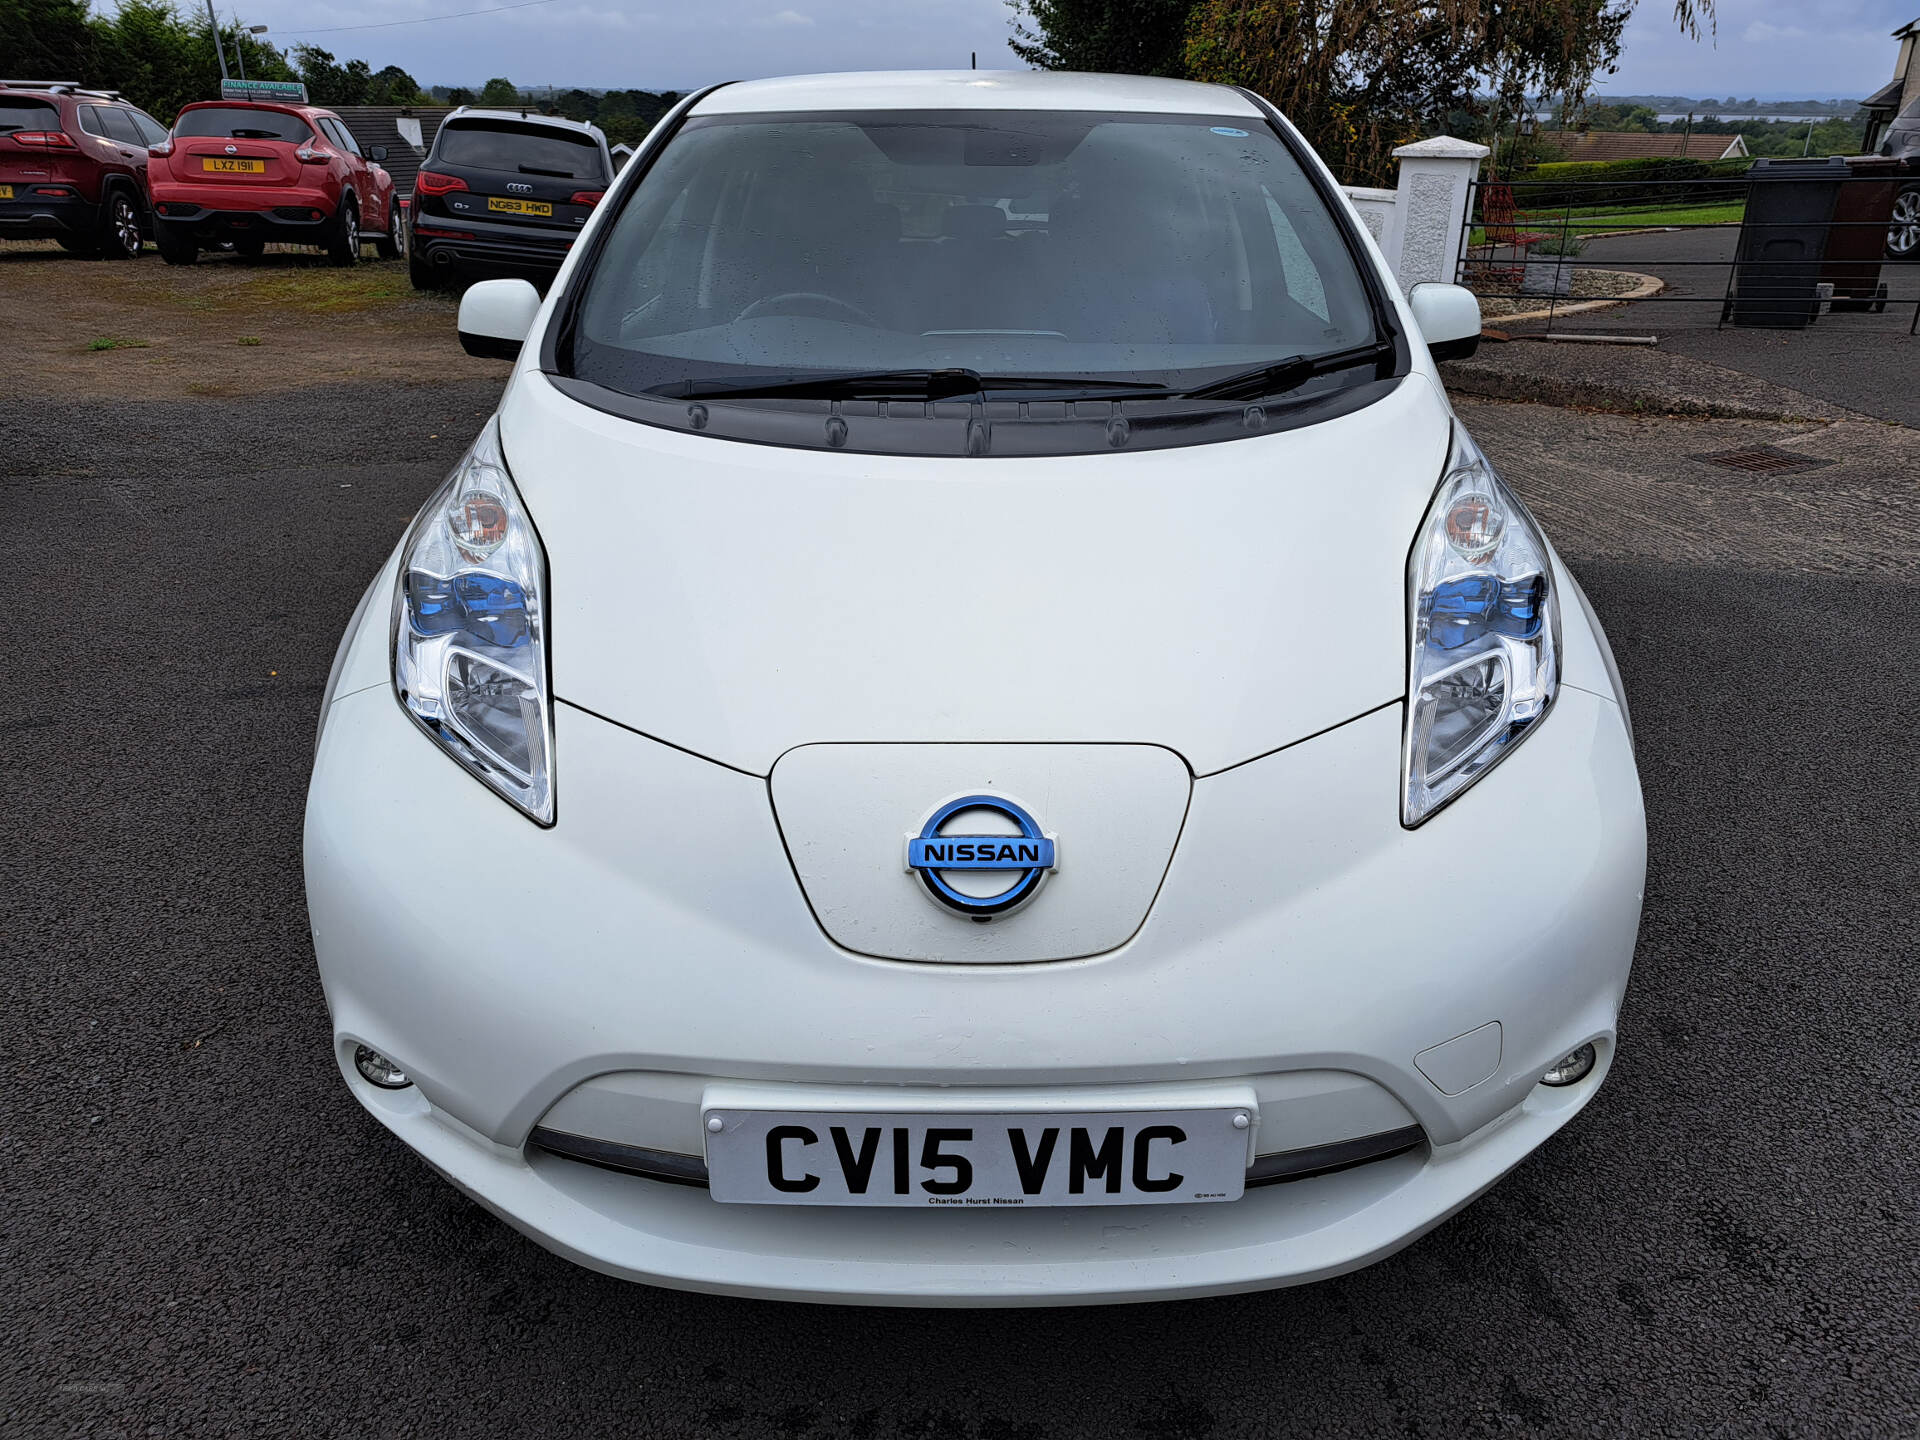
1546	116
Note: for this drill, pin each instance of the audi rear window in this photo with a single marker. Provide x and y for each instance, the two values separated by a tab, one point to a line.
224	122
521	150
27	115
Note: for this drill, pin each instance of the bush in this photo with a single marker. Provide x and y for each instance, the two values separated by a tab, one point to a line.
1581	183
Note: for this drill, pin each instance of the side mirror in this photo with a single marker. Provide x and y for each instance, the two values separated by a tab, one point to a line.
1448	317
495	316
377	154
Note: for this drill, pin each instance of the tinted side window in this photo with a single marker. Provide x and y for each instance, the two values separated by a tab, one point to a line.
91	121
338	129
152	132
120	126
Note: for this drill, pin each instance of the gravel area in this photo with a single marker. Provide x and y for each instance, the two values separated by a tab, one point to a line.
1587	285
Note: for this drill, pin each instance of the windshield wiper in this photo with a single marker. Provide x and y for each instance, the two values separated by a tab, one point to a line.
1289	374
947	384
536	170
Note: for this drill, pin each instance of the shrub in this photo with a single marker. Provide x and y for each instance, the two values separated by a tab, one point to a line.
1581	183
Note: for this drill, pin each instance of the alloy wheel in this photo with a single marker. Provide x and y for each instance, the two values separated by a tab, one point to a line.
126	225
1903	236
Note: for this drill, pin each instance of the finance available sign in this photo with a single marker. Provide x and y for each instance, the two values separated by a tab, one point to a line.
286	91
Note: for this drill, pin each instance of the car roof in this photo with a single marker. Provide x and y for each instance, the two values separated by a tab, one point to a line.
517	117
285	107
978	90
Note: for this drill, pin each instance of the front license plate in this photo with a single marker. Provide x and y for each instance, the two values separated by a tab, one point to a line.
1143	1157
218	166
518	207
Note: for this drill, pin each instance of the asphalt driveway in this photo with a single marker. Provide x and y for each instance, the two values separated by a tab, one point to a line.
1864	361
201	1234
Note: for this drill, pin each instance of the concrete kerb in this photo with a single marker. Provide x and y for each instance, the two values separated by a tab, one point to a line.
1649	285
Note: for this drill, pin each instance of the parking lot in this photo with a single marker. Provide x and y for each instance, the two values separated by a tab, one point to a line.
203	1234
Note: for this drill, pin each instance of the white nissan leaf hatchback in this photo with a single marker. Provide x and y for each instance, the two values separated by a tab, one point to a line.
988	735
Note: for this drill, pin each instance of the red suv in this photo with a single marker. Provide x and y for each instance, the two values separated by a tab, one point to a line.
251	173
73	167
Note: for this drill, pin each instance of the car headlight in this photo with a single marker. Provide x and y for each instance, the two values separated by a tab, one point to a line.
1484	624
469	630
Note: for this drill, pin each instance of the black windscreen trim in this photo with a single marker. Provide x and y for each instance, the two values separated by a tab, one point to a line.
971	428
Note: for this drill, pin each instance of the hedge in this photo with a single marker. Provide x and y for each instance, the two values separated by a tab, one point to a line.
1581	183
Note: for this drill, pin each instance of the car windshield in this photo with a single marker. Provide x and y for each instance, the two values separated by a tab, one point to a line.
1161	250
235	123
520	149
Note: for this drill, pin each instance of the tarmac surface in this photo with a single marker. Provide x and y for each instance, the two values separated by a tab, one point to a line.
202	1234
1863	361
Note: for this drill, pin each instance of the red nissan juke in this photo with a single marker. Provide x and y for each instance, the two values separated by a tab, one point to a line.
253	173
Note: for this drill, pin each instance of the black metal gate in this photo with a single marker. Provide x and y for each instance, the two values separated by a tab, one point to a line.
1783	246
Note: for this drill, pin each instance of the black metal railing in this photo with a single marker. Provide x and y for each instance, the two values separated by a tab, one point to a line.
1779	249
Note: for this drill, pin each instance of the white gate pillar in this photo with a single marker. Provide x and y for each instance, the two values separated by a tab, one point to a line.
1430	207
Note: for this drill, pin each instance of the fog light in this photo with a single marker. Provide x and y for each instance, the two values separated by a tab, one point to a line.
1568	1070
378	1070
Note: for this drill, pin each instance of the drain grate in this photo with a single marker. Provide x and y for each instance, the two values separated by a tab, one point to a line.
1763	460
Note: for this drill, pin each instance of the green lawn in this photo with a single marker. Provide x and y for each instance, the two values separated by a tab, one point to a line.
1587	220
1598	219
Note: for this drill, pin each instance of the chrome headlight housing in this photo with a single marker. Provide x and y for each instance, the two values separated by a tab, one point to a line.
1484	625
469	630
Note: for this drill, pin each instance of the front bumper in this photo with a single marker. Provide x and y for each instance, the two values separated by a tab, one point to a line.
656	938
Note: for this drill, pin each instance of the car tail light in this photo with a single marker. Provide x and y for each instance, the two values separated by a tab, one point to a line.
313	155
429	182
586	197
44	139
162	150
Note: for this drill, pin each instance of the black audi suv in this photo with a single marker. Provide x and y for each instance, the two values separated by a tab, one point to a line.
503	192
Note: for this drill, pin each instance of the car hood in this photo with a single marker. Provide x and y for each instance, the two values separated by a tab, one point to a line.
737	600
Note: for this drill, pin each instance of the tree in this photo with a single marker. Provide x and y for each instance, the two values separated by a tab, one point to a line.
1124	37
1359	77
391	85
499	91
330	83
46	39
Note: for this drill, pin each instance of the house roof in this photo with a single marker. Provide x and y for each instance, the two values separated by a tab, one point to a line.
379	125
1887	97
1634	145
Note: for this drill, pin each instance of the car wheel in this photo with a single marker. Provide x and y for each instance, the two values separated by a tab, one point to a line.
393	244
425	274
343	246
119	227
249	247
1903	235
177	247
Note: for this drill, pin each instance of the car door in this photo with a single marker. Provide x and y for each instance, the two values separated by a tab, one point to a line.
128	140
110	155
373	213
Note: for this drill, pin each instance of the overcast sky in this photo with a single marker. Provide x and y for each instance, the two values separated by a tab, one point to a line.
1797	48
